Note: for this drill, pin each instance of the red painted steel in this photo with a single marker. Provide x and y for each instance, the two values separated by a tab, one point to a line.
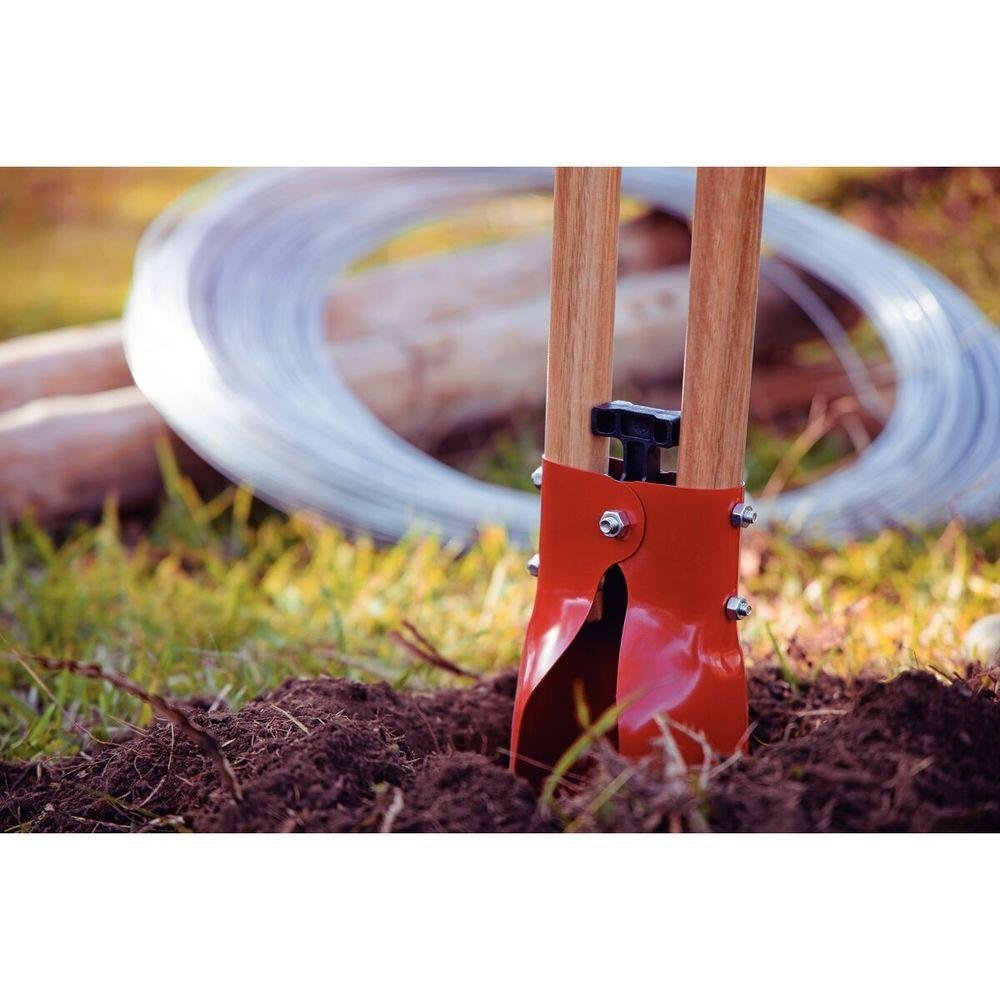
663	646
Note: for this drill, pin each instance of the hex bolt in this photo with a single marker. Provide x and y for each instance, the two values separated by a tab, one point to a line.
613	523
742	516
536	478
737	608
532	564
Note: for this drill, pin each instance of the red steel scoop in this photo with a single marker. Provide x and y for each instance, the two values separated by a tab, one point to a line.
637	569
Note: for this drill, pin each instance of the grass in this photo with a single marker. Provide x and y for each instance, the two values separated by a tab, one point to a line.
220	600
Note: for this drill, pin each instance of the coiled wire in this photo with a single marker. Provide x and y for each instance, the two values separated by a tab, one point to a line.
225	335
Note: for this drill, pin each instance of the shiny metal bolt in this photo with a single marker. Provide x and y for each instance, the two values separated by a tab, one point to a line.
737	608
532	564
536	478
613	524
743	515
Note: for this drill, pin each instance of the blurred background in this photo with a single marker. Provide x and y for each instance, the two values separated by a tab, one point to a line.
67	235
67	238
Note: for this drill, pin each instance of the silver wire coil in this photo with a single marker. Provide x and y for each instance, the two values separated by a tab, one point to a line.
224	333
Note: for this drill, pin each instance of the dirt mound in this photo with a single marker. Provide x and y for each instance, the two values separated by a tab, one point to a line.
914	754
320	755
335	755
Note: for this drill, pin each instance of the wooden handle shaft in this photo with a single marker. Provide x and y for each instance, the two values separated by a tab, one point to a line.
581	330
725	262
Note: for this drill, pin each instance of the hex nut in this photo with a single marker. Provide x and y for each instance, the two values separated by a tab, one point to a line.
536	478
532	564
743	515
738	607
613	523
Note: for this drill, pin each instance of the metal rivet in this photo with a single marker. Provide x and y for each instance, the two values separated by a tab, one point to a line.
533	564
613	524
742	516
738	607
536	478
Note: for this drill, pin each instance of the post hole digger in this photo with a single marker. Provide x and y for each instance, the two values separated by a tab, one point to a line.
637	603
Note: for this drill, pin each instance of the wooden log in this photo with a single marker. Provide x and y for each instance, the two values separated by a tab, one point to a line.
62	456
444	377
398	296
430	382
68	362
775	392
725	264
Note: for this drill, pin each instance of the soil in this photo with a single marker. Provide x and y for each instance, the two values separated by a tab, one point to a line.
327	754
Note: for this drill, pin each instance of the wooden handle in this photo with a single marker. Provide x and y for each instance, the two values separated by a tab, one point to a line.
581	329
725	261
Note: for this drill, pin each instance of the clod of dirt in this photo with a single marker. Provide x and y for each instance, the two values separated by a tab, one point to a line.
334	755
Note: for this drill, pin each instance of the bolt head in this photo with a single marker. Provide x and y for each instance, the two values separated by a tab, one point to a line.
737	608
743	515
613	524
533	564
536	478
